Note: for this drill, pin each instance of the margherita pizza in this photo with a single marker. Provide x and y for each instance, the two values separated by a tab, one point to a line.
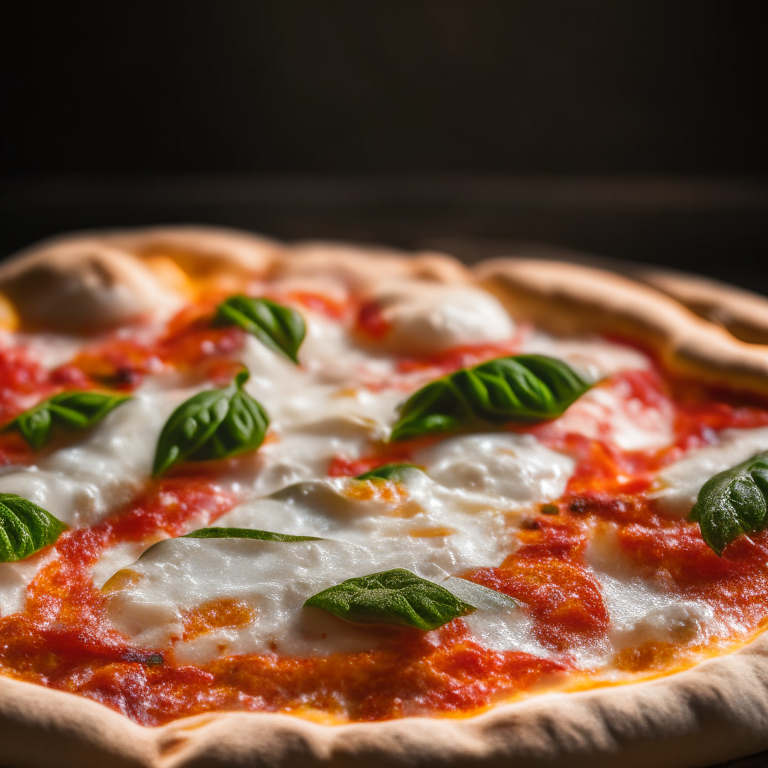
320	505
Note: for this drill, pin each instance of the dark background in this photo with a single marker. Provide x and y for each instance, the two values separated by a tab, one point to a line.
630	129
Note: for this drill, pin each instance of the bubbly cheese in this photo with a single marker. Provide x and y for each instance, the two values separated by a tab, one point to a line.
678	485
423	317
512	469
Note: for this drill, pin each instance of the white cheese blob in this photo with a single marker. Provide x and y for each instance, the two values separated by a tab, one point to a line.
499	623
424	317
677	486
641	609
510	467
16	577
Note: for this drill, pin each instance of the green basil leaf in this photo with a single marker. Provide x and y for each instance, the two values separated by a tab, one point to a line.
67	410
733	502
246	533
215	424
280	328
397	471
391	597
518	388
25	528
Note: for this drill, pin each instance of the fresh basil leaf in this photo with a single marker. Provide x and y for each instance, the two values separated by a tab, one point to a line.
246	533
733	502
25	528
215	424
397	471
391	597
280	328
67	410
517	388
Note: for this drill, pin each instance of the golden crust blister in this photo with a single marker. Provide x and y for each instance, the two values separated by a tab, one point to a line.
709	713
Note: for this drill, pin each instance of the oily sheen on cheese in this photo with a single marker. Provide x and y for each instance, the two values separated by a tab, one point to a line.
535	525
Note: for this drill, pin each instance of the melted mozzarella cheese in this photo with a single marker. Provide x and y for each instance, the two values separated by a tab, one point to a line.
498	623
429	528
510	467
640	609
424	318
677	486
16	577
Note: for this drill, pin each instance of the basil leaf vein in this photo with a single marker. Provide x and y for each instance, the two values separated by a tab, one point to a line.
507	389
396	597
246	533
396	471
25	528
733	502
280	328
75	410
215	424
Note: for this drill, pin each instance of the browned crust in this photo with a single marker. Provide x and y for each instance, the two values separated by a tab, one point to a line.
743	313
712	712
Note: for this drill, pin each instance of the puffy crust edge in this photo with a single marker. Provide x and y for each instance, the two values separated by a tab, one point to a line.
743	313
714	711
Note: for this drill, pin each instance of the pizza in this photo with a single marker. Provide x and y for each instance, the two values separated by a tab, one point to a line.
322	504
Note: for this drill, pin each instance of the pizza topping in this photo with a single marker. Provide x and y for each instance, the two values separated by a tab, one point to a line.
215	424
67	410
25	528
677	486
512	471
733	502
594	358
280	328
245	533
677	622
396	597
521	388
411	317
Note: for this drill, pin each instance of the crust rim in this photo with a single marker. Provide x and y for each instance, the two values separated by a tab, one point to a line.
690	718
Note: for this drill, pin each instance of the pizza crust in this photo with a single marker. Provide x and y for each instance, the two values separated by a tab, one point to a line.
743	313
714	711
